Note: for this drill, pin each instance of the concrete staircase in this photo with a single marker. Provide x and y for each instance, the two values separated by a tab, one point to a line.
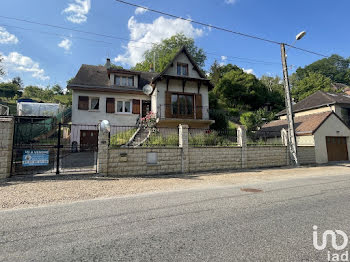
139	138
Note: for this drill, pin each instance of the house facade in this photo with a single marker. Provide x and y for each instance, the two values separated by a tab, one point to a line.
321	122
179	96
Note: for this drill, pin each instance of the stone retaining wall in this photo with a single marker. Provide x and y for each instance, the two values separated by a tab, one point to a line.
306	155
214	158
266	156
133	161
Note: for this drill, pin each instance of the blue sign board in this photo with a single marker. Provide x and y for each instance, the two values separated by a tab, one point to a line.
35	158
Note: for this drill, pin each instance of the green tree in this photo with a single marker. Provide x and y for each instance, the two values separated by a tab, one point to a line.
167	49
2	72
275	89
335	68
57	89
9	90
17	81
241	90
310	84
217	71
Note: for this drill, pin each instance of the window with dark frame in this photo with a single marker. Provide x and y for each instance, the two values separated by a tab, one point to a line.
182	105
182	69
83	103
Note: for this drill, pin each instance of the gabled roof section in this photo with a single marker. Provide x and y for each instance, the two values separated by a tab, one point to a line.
319	99
91	75
304	125
185	51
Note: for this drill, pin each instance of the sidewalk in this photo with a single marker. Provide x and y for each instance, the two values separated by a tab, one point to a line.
19	192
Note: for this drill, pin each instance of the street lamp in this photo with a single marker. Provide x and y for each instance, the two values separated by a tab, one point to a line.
288	99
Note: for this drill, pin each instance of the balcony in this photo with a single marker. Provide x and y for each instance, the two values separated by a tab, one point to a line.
196	116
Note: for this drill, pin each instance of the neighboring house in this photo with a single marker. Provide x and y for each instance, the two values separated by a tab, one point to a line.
321	120
179	96
321	101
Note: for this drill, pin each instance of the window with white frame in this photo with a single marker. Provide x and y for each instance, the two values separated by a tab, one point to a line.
94	103
124	81
124	107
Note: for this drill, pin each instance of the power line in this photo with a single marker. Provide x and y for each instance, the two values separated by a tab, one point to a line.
200	23
71	29
219	28
234	58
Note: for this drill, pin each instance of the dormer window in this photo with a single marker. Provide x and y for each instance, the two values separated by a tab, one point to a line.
182	69
124	81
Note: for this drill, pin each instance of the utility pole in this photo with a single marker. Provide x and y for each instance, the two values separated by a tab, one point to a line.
289	109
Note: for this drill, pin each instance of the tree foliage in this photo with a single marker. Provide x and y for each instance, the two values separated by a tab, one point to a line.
17	81
165	51
239	89
2	72
9	90
310	84
336	68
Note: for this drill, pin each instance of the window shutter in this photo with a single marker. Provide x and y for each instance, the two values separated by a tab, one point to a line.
110	105
83	103
168	105
136	106
199	114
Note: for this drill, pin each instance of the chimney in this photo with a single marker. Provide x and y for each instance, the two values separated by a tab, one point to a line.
108	63
151	67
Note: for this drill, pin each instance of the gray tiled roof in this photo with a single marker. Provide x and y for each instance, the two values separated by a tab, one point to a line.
319	99
97	76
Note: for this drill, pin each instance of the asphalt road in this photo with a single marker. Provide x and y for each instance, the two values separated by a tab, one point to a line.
207	224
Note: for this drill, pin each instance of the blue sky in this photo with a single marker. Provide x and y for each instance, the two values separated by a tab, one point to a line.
46	59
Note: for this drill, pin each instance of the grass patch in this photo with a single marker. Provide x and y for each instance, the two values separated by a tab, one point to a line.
121	138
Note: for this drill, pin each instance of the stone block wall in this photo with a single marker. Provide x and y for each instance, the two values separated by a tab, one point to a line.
6	143
306	155
133	161
266	156
214	158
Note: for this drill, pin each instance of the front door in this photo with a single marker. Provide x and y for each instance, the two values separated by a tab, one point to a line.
88	139
337	148
146	107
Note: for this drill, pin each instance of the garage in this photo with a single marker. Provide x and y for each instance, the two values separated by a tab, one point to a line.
336	148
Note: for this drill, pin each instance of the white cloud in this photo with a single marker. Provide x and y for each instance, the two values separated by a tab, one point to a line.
140	10
6	37
230	1
223	60
143	33
77	12
17	62
249	71
66	44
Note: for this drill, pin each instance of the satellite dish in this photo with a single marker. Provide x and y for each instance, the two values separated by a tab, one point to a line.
105	126
147	89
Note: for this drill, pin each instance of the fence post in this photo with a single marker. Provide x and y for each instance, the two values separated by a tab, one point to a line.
6	146
102	154
242	142
284	137
183	144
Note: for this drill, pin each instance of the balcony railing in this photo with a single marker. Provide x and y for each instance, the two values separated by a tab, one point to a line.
170	111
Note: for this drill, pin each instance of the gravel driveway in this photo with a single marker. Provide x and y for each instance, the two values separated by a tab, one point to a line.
19	192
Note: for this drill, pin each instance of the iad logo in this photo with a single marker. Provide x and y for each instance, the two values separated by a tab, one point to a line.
333	234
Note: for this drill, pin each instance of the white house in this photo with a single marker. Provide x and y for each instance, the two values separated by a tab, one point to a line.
179	95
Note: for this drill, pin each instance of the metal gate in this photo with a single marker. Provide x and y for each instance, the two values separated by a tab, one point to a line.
42	146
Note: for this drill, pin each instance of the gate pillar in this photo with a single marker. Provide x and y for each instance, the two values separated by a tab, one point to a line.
102	155
6	145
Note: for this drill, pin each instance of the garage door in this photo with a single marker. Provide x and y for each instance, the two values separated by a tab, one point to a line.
337	149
